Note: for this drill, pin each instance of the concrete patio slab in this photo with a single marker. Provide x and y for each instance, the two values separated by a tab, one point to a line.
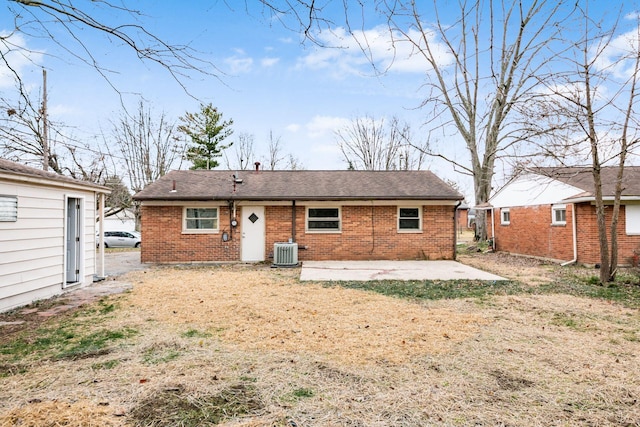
391	270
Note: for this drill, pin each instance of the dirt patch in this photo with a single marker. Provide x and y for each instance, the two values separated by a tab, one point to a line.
527	270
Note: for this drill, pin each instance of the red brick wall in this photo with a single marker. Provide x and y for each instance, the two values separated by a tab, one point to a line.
588	242
463	219
368	233
530	233
163	241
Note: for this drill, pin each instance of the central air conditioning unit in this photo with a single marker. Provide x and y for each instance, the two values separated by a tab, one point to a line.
285	254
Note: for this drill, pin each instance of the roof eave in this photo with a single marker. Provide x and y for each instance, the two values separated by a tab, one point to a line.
591	199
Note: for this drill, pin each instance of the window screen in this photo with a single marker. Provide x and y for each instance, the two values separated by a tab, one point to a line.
8	208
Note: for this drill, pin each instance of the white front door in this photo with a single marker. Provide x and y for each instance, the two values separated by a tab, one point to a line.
253	233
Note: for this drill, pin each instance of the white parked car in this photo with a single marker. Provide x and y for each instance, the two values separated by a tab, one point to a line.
120	239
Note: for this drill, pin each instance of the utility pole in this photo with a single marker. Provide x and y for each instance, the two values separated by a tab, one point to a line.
45	123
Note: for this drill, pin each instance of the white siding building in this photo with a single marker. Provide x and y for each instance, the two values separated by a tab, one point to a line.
47	233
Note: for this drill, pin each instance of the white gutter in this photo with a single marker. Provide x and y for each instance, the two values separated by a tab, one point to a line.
575	237
493	231
592	199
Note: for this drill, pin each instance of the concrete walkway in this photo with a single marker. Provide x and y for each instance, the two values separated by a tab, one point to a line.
391	270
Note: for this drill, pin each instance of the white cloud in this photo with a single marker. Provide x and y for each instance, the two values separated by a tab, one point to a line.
618	57
321	126
293	127
269	62
18	55
239	63
352	53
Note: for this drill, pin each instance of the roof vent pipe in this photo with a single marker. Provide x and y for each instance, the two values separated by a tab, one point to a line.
173	188
257	165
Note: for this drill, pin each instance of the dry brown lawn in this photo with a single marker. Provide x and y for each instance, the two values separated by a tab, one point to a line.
252	346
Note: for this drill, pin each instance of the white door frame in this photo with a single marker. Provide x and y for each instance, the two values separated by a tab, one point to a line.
73	240
253	234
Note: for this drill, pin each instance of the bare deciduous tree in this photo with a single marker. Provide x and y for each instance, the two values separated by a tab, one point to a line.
146	146
592	107
372	144
22	131
274	155
243	153
480	67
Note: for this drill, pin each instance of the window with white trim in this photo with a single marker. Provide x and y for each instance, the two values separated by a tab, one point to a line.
505	216
632	219
559	214
409	219
323	220
200	219
8	208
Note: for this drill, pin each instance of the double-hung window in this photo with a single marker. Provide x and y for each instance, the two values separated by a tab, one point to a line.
409	219
559	214
323	220
200	220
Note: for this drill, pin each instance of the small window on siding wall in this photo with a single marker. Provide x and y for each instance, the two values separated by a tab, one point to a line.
8	208
200	220
321	220
505	216
409	219
632	219
559	214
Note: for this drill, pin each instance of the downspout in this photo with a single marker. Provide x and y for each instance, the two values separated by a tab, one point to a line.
575	237
293	221
455	230
493	230
102	197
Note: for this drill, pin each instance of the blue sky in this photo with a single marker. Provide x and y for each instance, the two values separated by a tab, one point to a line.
269	79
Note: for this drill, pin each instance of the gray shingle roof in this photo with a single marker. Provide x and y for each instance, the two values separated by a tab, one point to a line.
582	178
21	170
201	185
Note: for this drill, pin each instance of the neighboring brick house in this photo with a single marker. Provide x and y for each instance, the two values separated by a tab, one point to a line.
550	213
211	216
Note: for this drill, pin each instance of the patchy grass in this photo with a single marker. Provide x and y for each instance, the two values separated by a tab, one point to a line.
175	406
79	335
437	289
66	341
161	353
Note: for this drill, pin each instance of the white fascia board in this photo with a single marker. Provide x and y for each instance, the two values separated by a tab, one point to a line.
532	190
608	199
51	183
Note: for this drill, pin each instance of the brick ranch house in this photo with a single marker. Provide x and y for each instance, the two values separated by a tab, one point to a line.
215	216
550	213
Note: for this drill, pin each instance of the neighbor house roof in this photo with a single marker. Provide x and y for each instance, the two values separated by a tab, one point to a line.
201	185
20	172
582	178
